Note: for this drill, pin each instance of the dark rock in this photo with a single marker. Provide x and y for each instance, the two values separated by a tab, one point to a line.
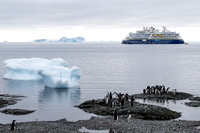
16	111
193	104
164	96
6	100
144	111
4	103
194	98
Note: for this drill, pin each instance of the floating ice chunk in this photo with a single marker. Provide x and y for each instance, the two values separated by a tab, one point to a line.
61	77
53	72
27	69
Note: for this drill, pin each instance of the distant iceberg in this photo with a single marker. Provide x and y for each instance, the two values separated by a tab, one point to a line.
54	72
41	40
63	39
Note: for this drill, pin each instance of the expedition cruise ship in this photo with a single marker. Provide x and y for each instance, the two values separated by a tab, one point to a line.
153	36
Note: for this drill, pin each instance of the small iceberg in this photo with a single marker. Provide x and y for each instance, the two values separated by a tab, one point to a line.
54	72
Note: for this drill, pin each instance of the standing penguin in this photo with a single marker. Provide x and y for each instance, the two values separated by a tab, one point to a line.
167	91
107	100
115	115
126	96
156	91
174	92
122	102
110	95
132	100
129	118
144	91
13	125
111	130
148	89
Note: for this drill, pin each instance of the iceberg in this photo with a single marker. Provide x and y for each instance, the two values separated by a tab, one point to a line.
41	40
54	72
62	39
77	39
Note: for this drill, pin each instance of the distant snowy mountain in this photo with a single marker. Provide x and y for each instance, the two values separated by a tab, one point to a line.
63	39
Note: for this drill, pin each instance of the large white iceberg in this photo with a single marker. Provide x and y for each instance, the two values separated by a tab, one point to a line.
54	72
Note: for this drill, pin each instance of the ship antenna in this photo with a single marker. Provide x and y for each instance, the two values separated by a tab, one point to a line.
164	28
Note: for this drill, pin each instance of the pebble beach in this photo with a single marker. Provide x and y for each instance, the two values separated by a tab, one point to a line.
97	124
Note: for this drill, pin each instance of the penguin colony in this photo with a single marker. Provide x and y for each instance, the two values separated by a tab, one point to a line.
158	90
123	99
119	100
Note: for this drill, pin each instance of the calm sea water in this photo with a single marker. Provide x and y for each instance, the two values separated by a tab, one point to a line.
105	67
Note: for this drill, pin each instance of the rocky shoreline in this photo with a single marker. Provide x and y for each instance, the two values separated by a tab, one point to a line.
144	117
105	124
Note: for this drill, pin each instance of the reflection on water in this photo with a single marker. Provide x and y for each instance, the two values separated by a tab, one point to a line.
47	95
158	101
187	113
24	88
60	96
49	103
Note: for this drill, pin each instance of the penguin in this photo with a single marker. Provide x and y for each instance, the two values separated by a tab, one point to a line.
144	100
132	100
116	95
152	89
156	91
122	102
115	115
167	90
163	88
129	118
144	91
159	87
13	125
110	95
148	89
174	92
126	97
111	130
107	100
119	96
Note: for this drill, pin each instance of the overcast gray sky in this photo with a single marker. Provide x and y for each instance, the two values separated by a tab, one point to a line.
54	18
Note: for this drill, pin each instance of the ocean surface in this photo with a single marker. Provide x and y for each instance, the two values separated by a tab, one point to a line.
105	67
